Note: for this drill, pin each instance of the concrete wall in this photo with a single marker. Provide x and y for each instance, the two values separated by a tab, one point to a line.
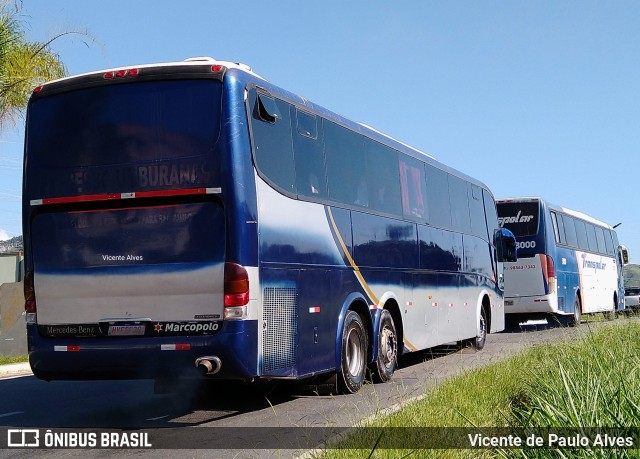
13	331
11	268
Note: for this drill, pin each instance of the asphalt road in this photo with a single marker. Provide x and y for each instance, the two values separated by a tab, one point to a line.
127	406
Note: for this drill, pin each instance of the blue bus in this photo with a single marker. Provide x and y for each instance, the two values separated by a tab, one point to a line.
568	264
189	220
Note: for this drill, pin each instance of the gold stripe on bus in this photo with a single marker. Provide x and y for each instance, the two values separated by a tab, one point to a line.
357	272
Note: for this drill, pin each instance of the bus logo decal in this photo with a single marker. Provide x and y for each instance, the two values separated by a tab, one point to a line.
516	219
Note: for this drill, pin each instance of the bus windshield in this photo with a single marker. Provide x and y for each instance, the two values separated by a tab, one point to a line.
107	131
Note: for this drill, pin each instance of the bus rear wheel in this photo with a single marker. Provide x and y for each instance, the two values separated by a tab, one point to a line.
576	318
481	336
613	314
385	364
354	354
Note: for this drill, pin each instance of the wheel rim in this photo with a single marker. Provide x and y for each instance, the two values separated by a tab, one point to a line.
354	353
482	332
387	347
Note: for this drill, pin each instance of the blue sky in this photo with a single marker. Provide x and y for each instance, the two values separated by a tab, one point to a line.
537	98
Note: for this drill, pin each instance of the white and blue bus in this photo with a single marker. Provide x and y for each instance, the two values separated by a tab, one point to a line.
191	218
568	264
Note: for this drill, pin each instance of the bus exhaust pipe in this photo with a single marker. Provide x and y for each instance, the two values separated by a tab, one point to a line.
210	365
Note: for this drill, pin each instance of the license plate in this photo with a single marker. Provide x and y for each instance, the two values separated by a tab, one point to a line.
508	302
126	330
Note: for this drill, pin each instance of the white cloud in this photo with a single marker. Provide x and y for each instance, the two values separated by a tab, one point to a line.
4	236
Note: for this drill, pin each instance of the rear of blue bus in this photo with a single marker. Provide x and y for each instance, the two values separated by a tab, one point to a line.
126	215
530	283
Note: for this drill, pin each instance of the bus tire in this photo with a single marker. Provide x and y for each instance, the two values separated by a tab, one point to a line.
481	336
387	360
613	314
354	354
576	318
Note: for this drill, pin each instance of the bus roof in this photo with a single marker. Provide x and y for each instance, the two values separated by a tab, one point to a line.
238	69
573	213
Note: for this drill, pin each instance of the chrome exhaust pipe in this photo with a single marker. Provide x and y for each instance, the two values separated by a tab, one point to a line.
210	365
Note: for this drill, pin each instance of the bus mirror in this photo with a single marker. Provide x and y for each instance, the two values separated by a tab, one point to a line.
625	255
506	245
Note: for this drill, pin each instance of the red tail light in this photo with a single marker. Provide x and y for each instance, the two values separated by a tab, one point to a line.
29	297
551	272
236	285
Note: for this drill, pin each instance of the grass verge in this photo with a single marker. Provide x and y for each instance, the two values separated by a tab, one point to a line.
591	381
18	359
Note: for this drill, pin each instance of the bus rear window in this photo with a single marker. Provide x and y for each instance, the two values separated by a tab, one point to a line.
521	218
125	123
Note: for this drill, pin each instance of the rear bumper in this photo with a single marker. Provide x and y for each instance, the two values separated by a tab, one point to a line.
531	304
172	357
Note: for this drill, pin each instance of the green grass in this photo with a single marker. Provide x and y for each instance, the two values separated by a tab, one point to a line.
19	359
591	381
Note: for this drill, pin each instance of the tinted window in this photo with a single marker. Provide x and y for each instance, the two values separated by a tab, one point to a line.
569	230
382	178
591	237
344	152
558	228
476	211
459	199
602	248
609	243
412	184
272	142
519	217
121	124
438	197
491	213
309	156
581	232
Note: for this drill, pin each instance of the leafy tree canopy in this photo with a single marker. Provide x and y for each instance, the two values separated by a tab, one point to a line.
24	64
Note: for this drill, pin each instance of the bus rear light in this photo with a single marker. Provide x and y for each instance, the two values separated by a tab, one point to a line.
236	285
121	73
29	297
216	68
549	272
37	89
236	291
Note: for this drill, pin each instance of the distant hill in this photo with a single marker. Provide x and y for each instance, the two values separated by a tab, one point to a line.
12	245
632	276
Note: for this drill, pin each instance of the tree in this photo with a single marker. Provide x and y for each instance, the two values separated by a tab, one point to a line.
23	64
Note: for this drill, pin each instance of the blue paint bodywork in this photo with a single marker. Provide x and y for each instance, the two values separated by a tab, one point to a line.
308	255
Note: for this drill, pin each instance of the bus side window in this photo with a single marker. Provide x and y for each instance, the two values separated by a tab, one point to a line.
591	237
602	247
382	178
476	211
272	146
558	228
438	198
309	155
459	198
581	232
412	184
570	230
608	240
345	157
